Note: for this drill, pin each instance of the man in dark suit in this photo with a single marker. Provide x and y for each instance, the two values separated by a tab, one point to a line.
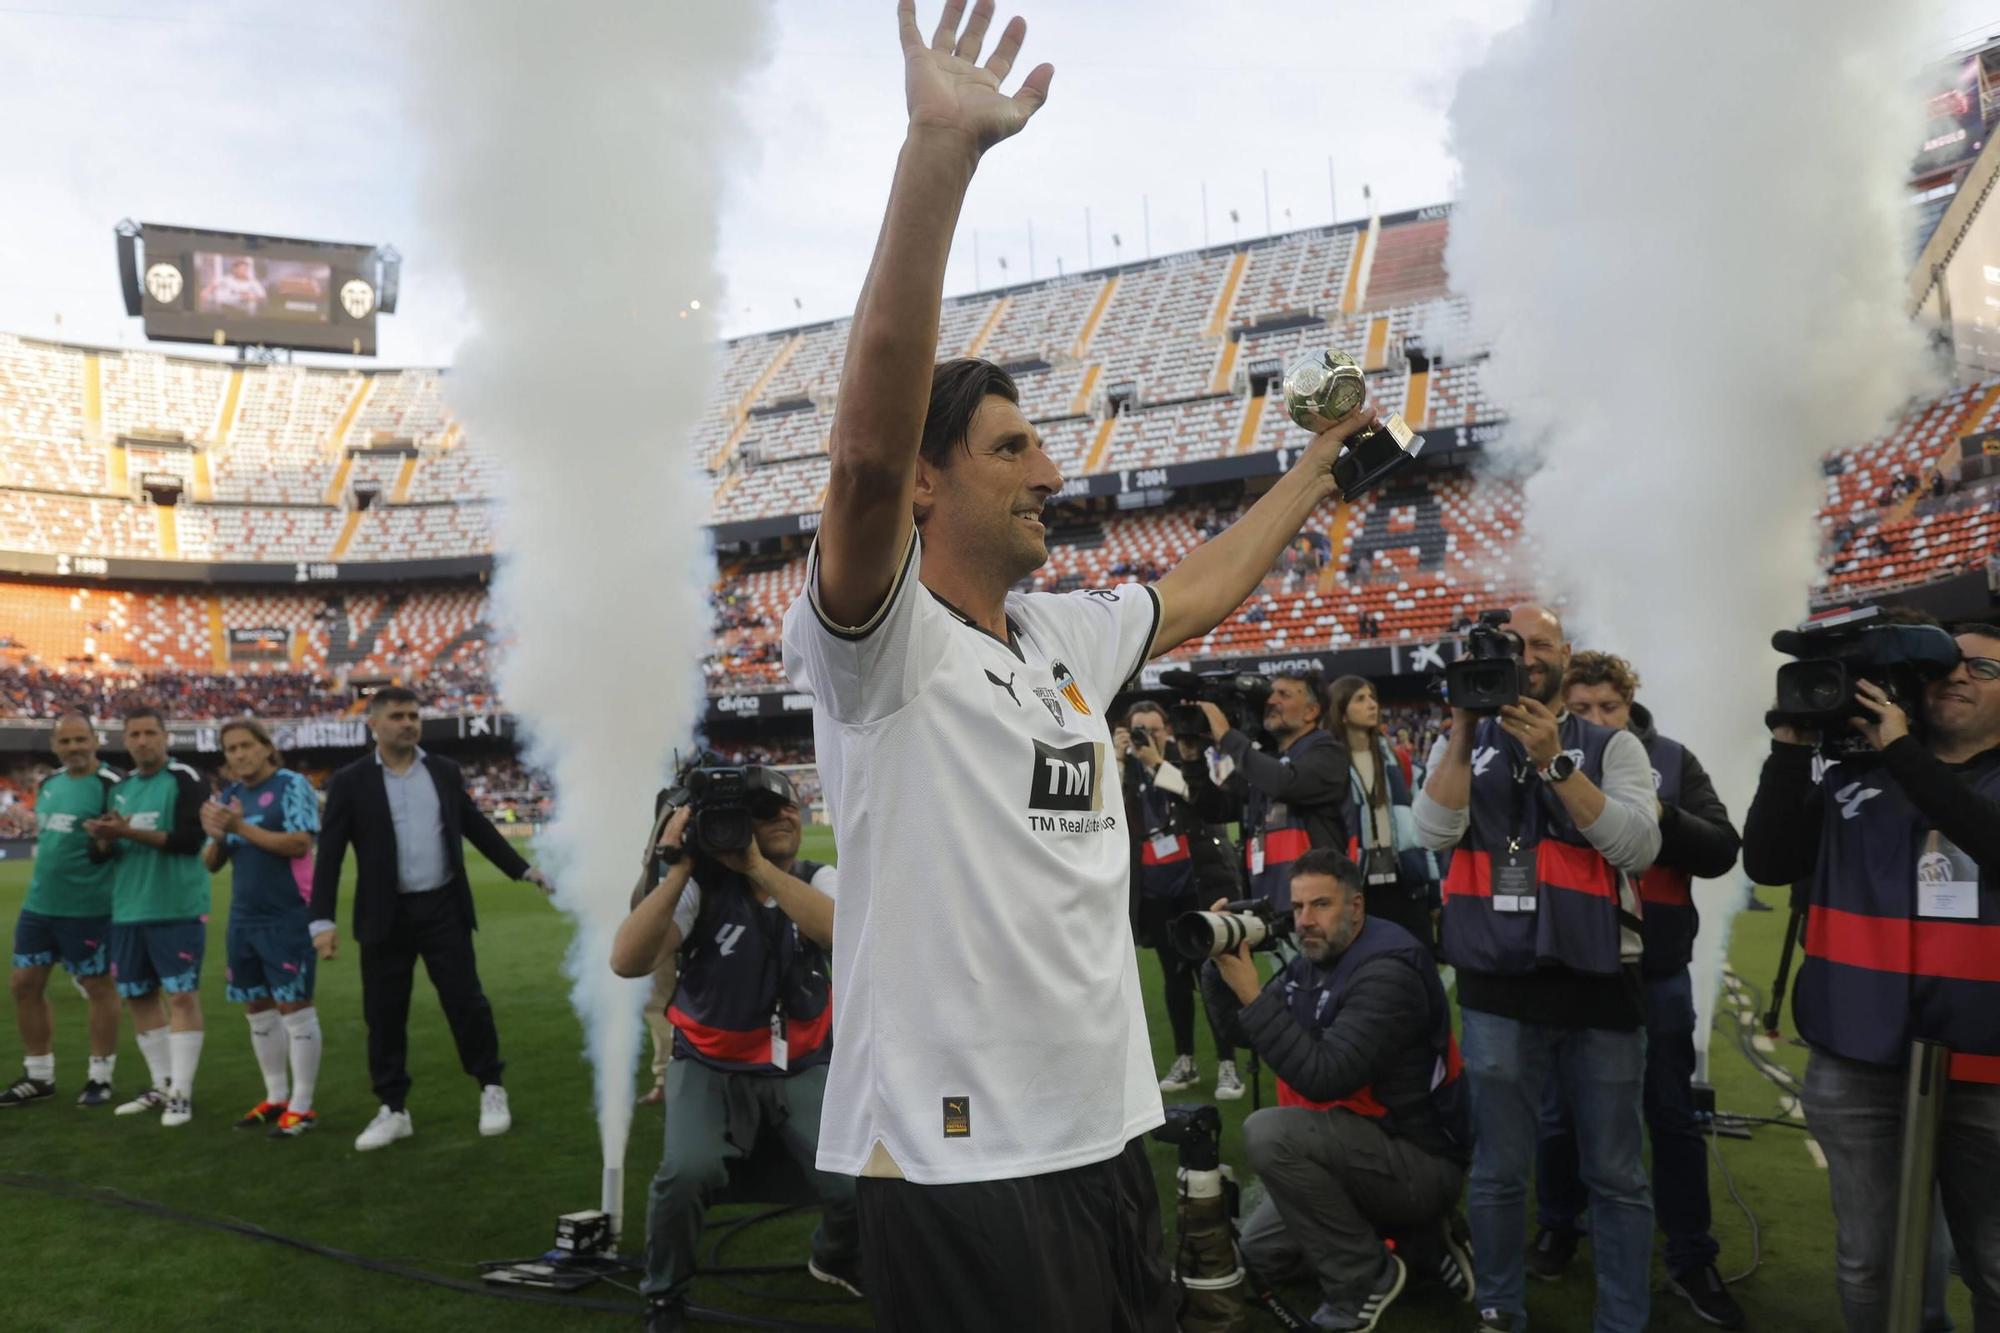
407	813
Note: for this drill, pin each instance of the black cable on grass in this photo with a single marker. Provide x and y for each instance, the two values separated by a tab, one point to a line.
104	1194
726	1273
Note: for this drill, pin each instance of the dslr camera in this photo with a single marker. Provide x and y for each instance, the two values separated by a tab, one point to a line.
1835	653
1488	675
1241	695
1198	935
725	801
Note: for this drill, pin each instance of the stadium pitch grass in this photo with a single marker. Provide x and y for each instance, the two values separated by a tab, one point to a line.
446	1199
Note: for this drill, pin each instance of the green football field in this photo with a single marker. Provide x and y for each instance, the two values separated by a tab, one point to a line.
446	1199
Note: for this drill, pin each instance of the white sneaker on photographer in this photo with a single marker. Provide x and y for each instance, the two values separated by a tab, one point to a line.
383	1130
494	1117
1228	1087
1181	1075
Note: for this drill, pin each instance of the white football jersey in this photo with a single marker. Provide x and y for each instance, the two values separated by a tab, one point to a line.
987	1018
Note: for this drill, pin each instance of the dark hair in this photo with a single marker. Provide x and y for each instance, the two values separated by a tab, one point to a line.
1326	861
1591	667
1145	706
146	710
1338	696
958	387
1983	630
1315	686
256	730
391	694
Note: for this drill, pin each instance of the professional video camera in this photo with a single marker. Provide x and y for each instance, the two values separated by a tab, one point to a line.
1836	652
1199	935
1488	675
1241	695
726	801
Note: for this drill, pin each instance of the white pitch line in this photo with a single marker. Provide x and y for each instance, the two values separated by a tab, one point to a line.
1763	1044
1812	1151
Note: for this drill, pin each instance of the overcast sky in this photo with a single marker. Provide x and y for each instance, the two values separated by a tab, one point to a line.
285	118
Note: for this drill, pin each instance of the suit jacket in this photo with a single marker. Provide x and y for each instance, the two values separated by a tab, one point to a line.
357	813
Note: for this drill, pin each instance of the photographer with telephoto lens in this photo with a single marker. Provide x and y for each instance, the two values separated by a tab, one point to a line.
1894	854
1551	817
751	921
1181	841
1296	797
1368	1140
1400	875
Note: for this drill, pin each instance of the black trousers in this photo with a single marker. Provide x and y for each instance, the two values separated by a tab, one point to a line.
427	926
1076	1251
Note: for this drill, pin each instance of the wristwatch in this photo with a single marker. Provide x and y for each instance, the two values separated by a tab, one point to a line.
669	856
1559	769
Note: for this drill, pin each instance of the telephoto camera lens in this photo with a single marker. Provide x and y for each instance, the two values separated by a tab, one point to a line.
1197	935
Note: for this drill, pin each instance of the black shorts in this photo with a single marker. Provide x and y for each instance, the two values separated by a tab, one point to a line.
1076	1251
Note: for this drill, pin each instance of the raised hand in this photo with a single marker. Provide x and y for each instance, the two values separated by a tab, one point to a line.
949	91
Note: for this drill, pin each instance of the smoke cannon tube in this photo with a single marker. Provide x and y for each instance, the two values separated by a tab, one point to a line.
613	1202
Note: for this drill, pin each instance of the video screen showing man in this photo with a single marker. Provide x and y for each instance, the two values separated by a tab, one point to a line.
232	284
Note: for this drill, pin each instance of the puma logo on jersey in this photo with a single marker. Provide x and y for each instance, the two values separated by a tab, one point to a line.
726	938
1007	685
1852	797
1483	757
958	1117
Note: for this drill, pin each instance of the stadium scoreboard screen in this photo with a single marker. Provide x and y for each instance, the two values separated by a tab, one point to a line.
238	289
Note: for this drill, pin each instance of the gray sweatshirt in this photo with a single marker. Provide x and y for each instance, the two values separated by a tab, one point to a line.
1627	833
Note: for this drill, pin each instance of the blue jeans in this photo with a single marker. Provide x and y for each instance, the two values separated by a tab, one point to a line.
1680	1154
1855	1110
1507	1064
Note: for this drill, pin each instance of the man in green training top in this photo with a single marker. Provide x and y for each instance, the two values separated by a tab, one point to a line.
159	911
67	917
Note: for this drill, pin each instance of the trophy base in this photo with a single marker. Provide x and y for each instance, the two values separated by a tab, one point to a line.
1375	456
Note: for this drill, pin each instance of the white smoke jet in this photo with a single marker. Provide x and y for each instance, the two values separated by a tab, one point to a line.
577	157
1682	230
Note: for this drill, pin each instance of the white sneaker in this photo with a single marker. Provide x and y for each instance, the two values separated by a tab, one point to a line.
179	1111
152	1099
383	1130
494	1117
1228	1087
1180	1075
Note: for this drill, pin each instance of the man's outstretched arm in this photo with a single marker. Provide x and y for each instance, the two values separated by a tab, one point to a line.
956	113
1213	579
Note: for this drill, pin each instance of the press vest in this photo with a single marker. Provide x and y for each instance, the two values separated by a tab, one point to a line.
1668	894
747	976
1166	860
1275	833
1317	1005
1566	905
1877	973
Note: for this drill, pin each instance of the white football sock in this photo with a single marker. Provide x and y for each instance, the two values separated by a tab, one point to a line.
101	1067
185	1049
267	1038
41	1068
303	1028
153	1045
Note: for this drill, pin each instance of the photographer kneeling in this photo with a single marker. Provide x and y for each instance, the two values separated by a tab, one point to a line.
1369	1136
752	1021
1184	860
1895	855
1297	799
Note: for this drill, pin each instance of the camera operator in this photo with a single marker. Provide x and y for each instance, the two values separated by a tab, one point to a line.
1297	799
1401	877
1696	841
1184	860
1368	1138
1895	857
1550	816
752	1019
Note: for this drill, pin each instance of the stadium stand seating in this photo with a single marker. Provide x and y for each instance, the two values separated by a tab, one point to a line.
270	457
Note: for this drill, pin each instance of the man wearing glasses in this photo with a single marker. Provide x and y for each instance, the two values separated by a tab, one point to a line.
1895	856
753	1025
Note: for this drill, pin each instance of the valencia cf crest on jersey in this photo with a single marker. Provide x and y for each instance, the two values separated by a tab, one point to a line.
1071	691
